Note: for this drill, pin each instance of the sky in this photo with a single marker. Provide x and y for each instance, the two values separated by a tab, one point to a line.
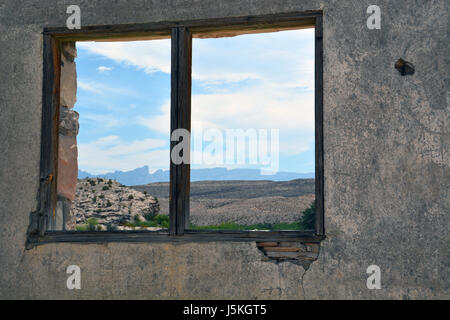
258	81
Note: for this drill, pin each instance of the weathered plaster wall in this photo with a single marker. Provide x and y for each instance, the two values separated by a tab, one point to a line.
386	164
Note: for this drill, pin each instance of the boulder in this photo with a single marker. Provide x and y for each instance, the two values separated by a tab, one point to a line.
110	203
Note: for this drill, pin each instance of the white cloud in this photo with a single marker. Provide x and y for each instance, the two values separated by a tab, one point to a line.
215	62
110	153
283	58
222	76
88	86
159	123
259	81
279	95
264	107
151	56
102	69
104	120
292	114
277	108
105	90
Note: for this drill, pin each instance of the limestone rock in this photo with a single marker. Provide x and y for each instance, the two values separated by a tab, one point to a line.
68	84
68	121
69	49
111	203
67	167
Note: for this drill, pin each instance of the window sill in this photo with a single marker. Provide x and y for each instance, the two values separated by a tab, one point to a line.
159	236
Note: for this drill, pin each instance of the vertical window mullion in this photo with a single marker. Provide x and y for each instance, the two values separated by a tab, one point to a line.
320	226
180	119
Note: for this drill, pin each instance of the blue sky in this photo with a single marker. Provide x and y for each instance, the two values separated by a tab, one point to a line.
258	81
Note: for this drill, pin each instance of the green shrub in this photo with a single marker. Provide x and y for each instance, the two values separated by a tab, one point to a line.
155	220
145	192
108	204
159	220
148	224
101	196
111	227
91	182
149	216
92	224
163	220
308	219
105	188
130	197
81	227
151	213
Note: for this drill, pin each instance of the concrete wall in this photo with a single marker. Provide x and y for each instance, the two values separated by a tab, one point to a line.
386	164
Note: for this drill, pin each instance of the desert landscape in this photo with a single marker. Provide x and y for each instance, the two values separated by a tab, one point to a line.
105	204
241	202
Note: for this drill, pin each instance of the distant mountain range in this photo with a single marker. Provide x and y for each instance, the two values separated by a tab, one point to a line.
141	175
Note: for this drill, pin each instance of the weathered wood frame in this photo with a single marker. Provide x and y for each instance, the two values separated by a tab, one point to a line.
42	217
181	33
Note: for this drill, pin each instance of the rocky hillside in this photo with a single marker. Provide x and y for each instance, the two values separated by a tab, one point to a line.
107	204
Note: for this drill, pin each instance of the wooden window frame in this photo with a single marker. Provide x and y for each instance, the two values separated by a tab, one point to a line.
181	34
